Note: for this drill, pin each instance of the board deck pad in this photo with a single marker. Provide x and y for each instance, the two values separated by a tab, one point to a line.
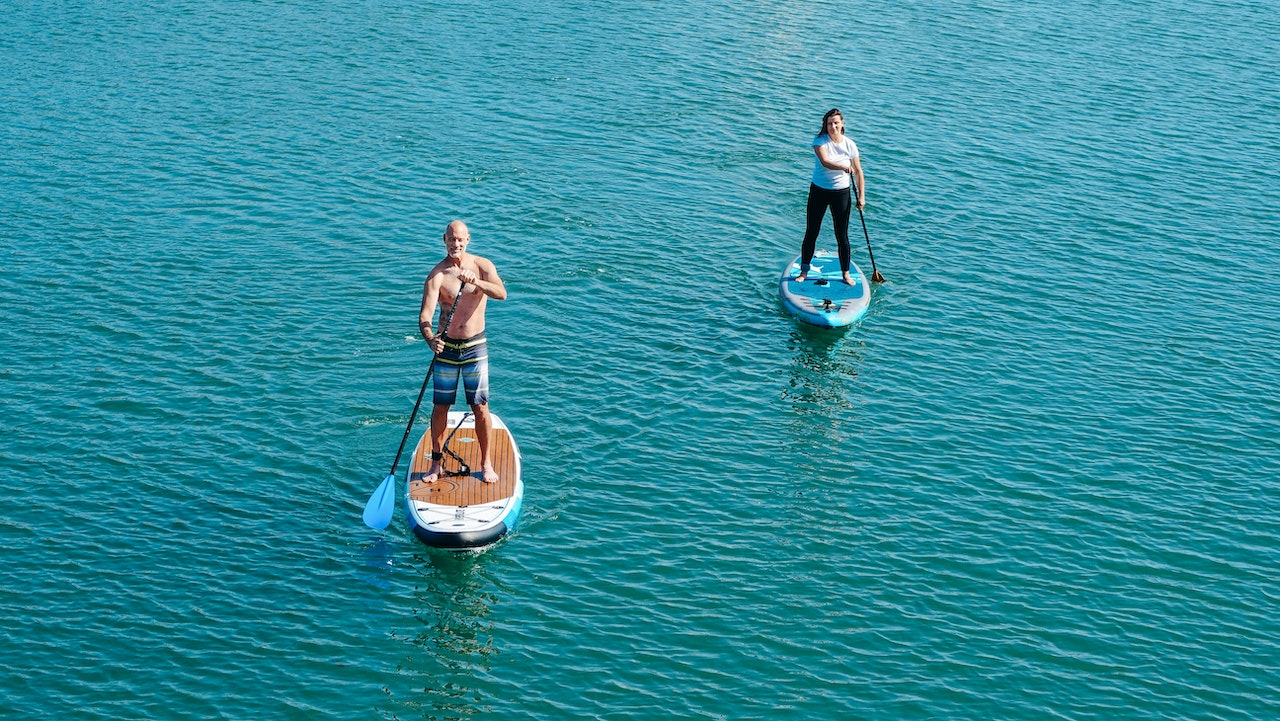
465	490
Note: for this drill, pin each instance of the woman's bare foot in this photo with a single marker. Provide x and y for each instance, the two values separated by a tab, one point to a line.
847	279
802	277
433	473
488	475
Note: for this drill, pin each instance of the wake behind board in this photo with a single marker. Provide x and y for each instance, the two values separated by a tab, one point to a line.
461	512
824	298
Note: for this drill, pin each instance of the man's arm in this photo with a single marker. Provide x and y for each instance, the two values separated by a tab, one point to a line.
487	281
430	291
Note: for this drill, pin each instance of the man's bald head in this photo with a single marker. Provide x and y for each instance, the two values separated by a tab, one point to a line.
457	229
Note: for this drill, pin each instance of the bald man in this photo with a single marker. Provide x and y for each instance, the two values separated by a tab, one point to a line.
461	352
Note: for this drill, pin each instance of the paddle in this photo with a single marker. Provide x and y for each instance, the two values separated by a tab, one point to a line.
875	274
380	506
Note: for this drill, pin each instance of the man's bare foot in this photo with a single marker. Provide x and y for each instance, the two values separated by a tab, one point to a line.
488	475
433	473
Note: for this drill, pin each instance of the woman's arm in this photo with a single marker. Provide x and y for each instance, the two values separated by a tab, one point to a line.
824	157
855	167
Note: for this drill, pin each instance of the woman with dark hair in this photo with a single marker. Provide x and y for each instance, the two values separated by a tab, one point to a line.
835	163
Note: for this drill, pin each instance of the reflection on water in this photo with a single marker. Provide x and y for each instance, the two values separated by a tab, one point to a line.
453	643
379	558
823	422
824	368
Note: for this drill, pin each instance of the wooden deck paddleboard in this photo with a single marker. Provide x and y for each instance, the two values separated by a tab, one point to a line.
824	298
462	512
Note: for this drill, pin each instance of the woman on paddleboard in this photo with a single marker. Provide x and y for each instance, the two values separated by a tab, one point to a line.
835	163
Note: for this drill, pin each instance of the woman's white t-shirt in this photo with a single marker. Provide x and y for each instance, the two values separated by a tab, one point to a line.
841	153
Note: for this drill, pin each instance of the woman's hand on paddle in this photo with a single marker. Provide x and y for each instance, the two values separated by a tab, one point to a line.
861	203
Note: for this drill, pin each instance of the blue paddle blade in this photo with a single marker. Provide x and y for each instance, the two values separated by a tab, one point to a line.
377	512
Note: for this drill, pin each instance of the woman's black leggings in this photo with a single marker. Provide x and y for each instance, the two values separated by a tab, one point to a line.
841	204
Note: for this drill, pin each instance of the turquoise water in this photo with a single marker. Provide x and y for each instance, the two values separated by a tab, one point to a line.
1038	480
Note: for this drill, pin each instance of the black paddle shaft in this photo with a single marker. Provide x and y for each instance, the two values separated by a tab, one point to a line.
875	274
425	381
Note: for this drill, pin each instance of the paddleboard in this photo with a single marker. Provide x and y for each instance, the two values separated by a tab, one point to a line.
460	512
824	299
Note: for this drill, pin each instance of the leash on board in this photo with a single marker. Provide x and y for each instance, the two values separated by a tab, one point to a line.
465	470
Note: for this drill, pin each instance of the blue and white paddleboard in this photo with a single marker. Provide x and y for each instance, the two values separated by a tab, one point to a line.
460	512
824	299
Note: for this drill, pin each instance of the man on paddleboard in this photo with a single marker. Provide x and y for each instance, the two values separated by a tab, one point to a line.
460	350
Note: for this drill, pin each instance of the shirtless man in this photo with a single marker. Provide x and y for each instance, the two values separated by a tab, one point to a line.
460	349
